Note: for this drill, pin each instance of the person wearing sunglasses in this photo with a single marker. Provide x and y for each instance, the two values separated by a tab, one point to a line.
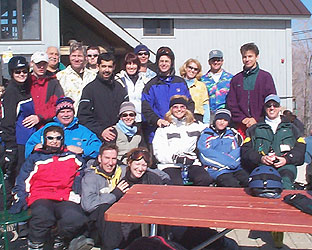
174	146
274	141
217	81
191	72
133	82
78	138
143	54
128	134
92	56
49	183
248	90
17	105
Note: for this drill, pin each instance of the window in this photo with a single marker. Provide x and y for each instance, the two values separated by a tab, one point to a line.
158	27
20	20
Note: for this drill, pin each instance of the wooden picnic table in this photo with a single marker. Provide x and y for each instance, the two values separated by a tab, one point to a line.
230	208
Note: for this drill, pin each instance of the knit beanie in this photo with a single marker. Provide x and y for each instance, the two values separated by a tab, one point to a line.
223	114
64	103
141	47
126	106
178	100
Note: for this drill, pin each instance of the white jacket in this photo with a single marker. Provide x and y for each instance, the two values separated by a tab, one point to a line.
176	139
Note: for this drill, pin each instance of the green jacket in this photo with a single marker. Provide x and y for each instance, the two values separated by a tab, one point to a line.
285	142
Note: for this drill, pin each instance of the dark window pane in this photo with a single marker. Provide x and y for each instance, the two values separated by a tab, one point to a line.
165	27
150	26
31	19
158	27
8	19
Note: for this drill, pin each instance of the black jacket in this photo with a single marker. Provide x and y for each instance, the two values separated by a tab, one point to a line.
99	104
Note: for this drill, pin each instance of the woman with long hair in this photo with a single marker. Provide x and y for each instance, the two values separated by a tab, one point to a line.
191	72
174	146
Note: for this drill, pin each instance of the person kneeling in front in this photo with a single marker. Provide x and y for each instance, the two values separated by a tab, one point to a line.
49	184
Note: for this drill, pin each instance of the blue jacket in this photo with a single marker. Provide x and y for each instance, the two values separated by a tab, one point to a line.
75	134
220	153
156	98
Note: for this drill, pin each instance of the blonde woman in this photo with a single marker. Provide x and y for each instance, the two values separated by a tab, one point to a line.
174	146
191	72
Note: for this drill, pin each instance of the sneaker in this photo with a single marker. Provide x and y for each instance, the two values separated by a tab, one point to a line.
58	243
35	245
81	243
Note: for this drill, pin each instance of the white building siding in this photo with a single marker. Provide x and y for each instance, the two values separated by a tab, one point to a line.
195	38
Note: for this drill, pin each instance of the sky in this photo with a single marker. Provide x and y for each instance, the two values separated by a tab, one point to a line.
297	23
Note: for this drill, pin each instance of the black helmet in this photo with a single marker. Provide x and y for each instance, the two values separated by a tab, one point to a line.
265	181
17	62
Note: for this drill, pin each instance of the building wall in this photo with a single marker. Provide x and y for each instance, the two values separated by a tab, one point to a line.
195	38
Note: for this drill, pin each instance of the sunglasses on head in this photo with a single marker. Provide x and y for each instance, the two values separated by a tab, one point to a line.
128	114
18	71
142	53
274	104
51	138
140	154
93	55
192	68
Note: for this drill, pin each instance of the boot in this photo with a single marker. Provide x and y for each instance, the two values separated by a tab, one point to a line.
35	245
81	243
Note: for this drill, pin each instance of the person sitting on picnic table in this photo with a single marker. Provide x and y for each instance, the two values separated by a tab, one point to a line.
174	146
219	152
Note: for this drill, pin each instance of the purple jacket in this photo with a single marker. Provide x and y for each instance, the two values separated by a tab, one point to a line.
249	103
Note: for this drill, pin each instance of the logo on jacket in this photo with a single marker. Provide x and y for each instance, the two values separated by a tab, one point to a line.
178	90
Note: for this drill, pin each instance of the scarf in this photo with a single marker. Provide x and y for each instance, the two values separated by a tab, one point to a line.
189	82
127	130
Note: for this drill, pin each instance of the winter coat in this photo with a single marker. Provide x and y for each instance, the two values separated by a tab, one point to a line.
100	103
75	134
220	152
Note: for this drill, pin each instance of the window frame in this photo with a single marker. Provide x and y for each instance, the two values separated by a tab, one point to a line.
158	28
19	8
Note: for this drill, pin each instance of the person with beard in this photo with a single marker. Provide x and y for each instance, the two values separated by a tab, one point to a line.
100	100
248	89
158	91
219	151
49	184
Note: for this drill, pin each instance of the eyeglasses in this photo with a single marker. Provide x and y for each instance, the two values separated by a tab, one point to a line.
192	68
142	53
51	138
24	71
140	154
274	104
96	55
127	114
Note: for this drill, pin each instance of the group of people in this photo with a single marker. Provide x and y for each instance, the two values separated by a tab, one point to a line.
76	138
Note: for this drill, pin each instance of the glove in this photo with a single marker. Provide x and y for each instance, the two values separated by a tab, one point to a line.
299	201
10	158
183	160
76	187
18	206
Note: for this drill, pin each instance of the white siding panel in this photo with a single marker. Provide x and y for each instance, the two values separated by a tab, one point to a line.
195	38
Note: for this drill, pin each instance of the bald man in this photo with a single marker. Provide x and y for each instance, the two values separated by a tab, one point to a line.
54	64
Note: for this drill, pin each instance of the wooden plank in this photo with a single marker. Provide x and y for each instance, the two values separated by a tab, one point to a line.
207	207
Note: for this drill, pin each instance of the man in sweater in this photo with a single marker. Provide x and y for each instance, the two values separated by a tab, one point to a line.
248	90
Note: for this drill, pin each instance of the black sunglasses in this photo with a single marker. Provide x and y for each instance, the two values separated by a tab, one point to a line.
142	53
192	68
274	104
51	138
127	114
18	71
93	55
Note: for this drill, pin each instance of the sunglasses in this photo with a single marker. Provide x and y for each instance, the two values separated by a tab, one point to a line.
51	138
142	53
192	68
274	104
24	71
127	114
96	55
140	154
216	59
